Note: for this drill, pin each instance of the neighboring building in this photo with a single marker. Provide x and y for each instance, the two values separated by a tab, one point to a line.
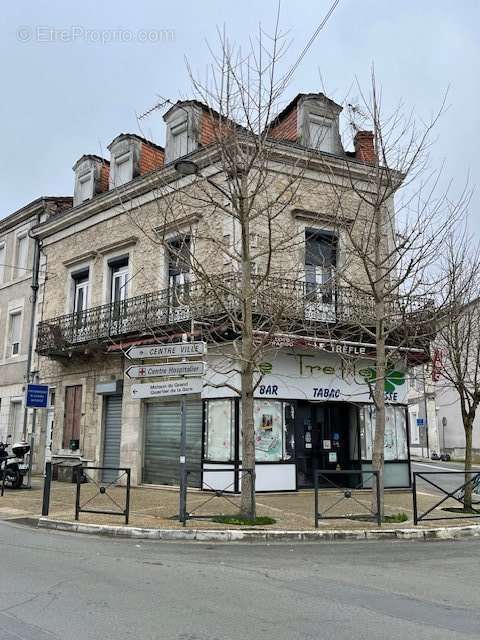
450	425
17	261
110	285
422	409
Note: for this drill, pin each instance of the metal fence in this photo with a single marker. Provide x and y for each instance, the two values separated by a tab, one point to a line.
346	494
85	475
103	491
446	493
225	493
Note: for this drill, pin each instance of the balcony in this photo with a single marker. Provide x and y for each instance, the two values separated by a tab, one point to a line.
291	305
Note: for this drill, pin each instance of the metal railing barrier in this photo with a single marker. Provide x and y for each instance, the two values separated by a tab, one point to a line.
457	494
103	490
346	494
225	493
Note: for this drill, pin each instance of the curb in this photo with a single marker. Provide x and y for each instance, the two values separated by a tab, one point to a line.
261	535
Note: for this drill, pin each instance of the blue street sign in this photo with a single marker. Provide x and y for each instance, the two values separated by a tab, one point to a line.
37	396
420	422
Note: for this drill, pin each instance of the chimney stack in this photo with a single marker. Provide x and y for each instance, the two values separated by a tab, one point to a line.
364	147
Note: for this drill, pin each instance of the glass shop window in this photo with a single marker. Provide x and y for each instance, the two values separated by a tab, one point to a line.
220	429
268	422
395	441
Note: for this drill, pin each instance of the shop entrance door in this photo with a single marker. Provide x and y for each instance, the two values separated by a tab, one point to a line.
322	439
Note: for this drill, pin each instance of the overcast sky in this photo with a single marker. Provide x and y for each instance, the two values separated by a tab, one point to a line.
62	99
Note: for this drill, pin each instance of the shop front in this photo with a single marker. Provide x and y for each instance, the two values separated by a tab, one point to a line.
311	411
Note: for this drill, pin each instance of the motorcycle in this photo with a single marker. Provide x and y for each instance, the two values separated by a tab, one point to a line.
13	467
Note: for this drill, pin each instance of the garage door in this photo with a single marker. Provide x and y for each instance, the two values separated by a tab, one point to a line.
112	436
162	442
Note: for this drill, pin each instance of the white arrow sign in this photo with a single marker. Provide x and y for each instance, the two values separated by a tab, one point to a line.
174	350
179	387
170	369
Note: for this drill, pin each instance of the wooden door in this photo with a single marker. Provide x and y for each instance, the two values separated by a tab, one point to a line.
72	415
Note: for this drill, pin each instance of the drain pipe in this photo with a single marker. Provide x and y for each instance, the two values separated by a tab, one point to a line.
34	287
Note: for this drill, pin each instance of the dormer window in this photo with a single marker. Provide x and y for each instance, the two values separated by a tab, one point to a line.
122	169
91	178
321	133
184	127
180	139
84	189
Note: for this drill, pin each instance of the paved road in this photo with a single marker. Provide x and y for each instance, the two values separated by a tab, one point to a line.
450	482
61	586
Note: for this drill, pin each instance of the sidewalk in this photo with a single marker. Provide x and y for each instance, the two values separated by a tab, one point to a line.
157	508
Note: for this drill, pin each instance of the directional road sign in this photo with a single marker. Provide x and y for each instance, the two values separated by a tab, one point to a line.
173	350
179	387
164	369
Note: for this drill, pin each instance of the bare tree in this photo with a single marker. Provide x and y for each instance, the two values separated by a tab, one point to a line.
458	338
241	285
395	230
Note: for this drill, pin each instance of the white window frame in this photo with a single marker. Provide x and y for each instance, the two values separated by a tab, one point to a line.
71	285
121	160
10	343
327	142
85	192
20	271
179	139
81	286
121	274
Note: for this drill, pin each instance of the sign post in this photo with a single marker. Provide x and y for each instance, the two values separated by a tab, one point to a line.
173	350
166	369
163	388
36	397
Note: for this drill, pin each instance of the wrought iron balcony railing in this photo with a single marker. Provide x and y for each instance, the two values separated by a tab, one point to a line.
288	303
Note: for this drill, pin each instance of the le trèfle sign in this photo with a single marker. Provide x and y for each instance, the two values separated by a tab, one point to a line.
166	369
174	350
182	386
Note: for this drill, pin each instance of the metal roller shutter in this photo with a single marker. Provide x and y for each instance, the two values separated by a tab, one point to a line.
162	442
112	436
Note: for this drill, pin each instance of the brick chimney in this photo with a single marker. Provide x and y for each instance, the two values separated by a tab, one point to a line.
364	147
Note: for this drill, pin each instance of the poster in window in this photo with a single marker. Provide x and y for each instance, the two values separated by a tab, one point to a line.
219	430
268	430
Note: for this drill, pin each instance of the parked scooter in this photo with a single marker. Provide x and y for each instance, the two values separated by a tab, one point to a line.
13	466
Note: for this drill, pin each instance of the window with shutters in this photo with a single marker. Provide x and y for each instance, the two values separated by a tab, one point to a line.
72	417
122	168
85	186
179	139
14	333
321	133
21	251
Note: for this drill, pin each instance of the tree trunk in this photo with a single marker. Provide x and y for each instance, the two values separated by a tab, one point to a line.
468	426
378	454
247	507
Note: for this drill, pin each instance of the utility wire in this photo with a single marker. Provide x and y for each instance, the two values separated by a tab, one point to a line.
311	41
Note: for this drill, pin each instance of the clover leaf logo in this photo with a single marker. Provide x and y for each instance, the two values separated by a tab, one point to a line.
393	378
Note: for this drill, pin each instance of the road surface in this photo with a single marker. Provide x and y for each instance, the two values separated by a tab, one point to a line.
62	586
449	482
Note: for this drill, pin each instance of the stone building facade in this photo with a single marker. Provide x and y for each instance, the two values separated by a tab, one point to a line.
119	272
17	266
